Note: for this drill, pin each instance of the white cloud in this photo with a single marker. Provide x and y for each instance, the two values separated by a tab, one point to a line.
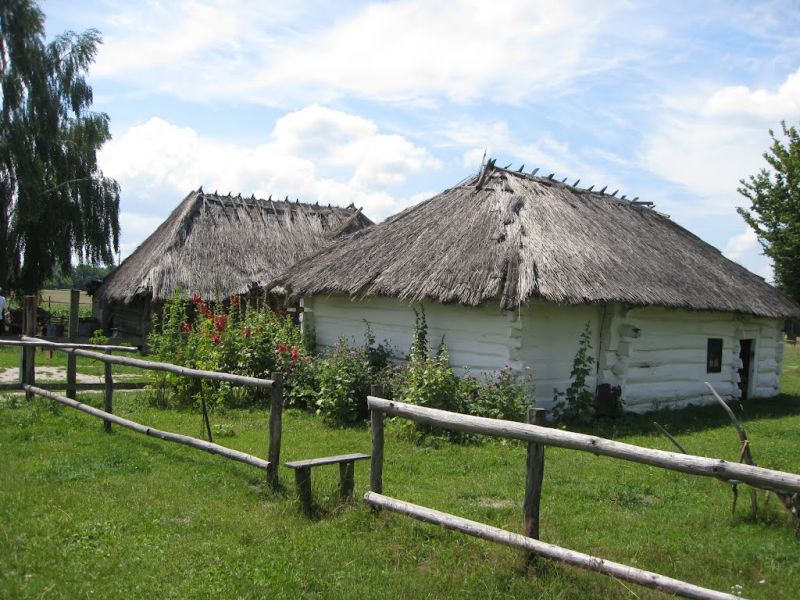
406	51
744	249
315	154
766	105
708	144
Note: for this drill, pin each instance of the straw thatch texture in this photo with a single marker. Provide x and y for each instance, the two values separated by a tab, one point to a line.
216	246
517	237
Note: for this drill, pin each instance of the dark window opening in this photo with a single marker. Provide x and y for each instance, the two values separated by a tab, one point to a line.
714	356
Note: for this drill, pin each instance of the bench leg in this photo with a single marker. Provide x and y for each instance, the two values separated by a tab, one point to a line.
302	477
346	479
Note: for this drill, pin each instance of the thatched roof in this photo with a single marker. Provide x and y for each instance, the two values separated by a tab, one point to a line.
509	237
216	246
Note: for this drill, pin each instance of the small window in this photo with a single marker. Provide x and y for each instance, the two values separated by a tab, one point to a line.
714	356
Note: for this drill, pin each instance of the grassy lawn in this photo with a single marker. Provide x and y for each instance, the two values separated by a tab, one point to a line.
86	514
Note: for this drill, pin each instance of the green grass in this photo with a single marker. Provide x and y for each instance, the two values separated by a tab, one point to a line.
83	513
10	358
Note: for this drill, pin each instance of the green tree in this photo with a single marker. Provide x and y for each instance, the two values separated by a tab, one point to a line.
54	200
774	213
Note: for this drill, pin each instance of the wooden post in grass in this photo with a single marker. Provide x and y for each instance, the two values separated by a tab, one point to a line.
376	464
108	397
275	425
534	466
72	335
29	353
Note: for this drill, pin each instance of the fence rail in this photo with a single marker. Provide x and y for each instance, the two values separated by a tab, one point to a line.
537	438
153	432
685	463
570	557
28	345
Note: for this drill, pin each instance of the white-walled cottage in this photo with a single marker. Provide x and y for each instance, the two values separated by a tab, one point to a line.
509	268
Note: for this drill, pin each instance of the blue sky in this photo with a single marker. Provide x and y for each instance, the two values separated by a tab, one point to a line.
384	104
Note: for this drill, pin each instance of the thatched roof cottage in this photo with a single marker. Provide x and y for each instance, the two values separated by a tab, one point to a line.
510	267
215	246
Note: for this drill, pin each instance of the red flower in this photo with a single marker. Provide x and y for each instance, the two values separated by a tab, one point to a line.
185	327
215	338
204	310
197	299
281	349
221	322
295	355
235	300
246	332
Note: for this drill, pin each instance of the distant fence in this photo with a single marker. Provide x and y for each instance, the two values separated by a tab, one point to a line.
537	438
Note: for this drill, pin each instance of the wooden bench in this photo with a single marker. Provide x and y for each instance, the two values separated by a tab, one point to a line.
302	474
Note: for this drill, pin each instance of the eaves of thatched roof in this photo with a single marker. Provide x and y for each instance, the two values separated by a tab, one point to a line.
216	246
510	237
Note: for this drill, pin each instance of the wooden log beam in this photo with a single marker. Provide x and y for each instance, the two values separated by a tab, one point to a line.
89	387
170	368
570	557
685	463
108	394
534	468
275	429
167	436
29	354
26	340
72	360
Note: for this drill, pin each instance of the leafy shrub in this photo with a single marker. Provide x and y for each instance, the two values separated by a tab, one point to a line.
502	395
577	403
344	380
228	339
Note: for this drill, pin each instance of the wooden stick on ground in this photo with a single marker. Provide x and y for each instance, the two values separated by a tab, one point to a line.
671	439
745	455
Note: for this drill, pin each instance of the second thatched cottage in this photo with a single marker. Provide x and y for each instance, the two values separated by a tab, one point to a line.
510	267
216	246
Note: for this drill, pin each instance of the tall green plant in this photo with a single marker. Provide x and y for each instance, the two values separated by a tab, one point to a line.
577	403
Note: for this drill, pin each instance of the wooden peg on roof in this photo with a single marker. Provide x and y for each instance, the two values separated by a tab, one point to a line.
564	180
551	176
615	193
603	191
536	170
508	166
200	190
577	181
590	188
522	168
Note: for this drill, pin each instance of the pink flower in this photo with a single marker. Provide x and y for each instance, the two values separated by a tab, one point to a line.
185	327
221	322
295	354
246	332
215	338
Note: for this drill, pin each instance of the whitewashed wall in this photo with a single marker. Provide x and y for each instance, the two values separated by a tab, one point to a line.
657	356
664	364
475	337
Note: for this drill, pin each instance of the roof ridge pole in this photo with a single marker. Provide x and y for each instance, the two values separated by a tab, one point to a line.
489	166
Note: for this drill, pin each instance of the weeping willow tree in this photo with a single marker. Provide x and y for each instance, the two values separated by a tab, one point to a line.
55	203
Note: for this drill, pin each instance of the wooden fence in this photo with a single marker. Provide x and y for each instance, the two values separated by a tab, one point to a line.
537	437
275	385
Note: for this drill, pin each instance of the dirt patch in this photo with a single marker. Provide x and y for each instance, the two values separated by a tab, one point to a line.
494	502
53	374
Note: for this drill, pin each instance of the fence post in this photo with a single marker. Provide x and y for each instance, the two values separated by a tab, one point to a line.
275	417
108	405
29	352
533	479
376	463
72	335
